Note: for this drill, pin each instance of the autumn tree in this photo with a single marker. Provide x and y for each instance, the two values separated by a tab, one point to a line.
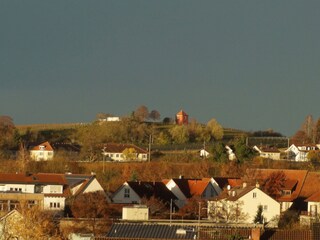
90	205
30	223
162	138
179	134
129	154
141	113
274	183
197	132
7	133
307	132
215	129
191	209
314	156
156	206
317	131
154	115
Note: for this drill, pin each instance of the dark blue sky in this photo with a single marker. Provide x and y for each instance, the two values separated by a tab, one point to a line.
252	65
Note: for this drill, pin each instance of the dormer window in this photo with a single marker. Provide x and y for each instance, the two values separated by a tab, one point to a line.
41	147
286	192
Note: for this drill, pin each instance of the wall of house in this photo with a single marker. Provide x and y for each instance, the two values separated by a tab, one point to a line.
93	186
135	213
52	189
284	206
54	203
251	201
25	188
271	155
126	195
209	192
143	156
40	155
314	208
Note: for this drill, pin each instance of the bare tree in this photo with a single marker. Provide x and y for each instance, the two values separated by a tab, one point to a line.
141	113
154	115
227	211
91	205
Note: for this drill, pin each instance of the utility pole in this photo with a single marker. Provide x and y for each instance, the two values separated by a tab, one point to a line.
149	157
199	217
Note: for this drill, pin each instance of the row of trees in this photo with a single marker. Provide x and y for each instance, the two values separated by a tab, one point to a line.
308	133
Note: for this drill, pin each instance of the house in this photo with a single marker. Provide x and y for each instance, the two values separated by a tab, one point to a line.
42	152
310	198
124	152
204	153
299	153
182	118
231	155
133	192
185	189
135	213
268	152
291	186
240	205
47	190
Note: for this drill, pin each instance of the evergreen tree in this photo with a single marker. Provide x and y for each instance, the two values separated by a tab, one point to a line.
259	217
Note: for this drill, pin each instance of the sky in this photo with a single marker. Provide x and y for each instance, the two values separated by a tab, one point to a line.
251	65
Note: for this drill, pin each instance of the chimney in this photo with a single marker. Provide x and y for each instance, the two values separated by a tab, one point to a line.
257	185
255	233
181	177
244	185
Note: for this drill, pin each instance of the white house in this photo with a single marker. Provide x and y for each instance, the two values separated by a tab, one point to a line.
231	155
266	152
185	188
45	189
42	152
241	205
124	152
134	191
204	153
299	153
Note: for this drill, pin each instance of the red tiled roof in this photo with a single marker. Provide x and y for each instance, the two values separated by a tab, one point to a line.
191	187
311	185
32	178
314	197
197	187
119	148
47	147
182	113
295	180
223	182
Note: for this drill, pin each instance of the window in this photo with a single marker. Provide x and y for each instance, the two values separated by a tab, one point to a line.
38	189
265	208
117	155
54	205
54	189
286	192
127	193
254	195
